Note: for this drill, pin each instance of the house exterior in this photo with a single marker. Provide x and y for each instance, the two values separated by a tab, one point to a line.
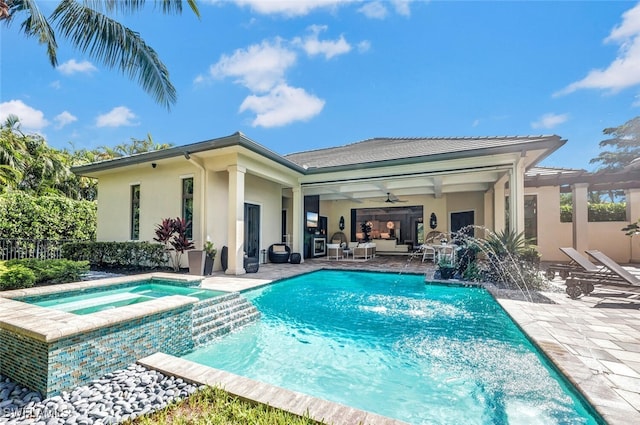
543	187
239	194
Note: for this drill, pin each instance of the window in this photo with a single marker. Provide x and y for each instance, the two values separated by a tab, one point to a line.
135	212
187	205
531	219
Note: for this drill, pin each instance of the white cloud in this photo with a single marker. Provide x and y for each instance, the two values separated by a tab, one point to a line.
282	105
624	71
636	101
289	8
199	79
259	67
551	120
364	46
30	119
374	10
64	118
475	123
402	7
312	46
72	67
117	117
55	85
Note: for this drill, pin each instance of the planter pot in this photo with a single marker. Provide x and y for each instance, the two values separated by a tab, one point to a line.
208	265
196	262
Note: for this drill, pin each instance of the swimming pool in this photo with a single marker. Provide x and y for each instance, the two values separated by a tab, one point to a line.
92	301
387	343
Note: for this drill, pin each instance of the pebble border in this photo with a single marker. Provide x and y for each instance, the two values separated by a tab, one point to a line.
114	398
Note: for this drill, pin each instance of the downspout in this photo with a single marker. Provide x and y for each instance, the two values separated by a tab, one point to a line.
203	217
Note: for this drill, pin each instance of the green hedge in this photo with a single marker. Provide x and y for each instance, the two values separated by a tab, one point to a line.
24	273
23	216
128	255
607	211
17	277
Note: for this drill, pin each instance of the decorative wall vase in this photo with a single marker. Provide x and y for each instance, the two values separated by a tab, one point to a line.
433	221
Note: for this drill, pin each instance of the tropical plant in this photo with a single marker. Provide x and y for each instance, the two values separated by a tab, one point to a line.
632	229
506	242
366	230
210	249
87	26
172	233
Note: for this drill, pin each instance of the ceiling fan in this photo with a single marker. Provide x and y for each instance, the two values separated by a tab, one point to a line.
392	201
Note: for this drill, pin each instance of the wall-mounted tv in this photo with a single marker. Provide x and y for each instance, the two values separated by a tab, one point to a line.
312	220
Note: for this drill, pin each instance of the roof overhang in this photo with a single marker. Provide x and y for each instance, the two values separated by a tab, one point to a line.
235	140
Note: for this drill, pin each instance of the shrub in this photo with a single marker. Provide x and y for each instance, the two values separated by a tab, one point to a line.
52	271
23	216
125	255
605	211
17	277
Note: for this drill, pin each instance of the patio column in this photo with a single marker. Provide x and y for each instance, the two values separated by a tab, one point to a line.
580	213
633	214
488	209
235	224
297	222
516	197
499	211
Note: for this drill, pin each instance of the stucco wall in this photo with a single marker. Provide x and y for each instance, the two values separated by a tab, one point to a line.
160	197
552	234
269	196
466	201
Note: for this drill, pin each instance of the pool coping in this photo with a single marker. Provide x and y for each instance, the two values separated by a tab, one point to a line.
300	404
50	325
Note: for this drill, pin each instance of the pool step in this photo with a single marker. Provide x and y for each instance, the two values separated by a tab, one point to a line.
220	315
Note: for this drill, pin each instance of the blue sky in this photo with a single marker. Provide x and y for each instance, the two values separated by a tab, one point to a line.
303	75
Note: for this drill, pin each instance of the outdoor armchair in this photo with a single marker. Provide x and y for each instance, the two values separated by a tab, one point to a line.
279	253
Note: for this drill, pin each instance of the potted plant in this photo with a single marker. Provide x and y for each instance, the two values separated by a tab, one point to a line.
210	252
446	268
172	234
366	230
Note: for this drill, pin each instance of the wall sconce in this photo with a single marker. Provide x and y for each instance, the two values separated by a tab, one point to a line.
341	223
186	155
154	165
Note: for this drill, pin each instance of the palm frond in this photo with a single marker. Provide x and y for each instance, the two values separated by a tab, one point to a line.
133	6
36	25
116	46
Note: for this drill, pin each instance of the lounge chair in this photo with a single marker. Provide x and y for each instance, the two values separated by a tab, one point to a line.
611	276
578	263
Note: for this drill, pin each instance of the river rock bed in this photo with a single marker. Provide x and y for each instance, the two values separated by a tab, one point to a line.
116	397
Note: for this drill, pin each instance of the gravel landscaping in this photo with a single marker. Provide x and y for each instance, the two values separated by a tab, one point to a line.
116	397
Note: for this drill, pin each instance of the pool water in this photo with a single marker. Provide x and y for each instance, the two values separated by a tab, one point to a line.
389	344
104	299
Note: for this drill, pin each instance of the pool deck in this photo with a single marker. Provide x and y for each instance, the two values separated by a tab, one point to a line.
594	340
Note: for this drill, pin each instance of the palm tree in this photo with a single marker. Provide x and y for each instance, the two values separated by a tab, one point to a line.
13	153
86	25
